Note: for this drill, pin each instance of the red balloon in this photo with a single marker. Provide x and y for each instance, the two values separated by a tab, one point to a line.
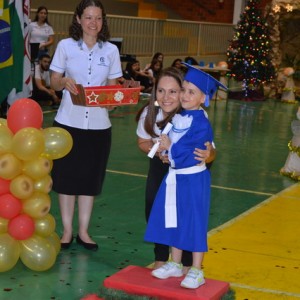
4	186
21	227
24	113
10	206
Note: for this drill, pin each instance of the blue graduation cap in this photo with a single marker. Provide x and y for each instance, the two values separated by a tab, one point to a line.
203	81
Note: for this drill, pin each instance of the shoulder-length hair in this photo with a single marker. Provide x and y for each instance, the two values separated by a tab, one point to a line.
150	119
75	30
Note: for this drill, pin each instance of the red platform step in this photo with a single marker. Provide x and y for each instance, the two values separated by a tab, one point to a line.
136	280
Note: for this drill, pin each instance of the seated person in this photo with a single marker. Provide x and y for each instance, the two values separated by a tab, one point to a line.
42	91
177	63
154	70
158	56
133	72
191	60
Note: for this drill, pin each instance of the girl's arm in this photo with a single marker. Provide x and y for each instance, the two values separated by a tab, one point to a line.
48	43
58	83
144	144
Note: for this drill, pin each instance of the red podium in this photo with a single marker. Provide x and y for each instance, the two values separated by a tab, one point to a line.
136	280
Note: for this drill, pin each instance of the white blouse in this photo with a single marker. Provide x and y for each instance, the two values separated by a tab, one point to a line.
89	67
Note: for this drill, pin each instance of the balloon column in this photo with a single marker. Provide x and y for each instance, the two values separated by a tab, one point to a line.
27	229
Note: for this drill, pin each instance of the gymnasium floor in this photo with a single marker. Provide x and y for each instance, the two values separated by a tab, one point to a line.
254	224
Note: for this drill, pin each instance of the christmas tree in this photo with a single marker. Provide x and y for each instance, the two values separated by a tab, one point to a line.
249	51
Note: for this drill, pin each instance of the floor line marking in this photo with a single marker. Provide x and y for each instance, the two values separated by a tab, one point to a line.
214	186
241	190
270	291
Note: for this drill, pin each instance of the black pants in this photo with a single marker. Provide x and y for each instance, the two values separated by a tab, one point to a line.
156	173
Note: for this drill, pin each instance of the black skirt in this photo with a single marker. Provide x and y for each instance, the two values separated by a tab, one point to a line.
82	171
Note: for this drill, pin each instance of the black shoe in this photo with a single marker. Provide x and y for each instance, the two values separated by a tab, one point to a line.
88	246
66	245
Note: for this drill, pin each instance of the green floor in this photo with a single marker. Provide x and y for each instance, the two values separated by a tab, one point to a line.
251	140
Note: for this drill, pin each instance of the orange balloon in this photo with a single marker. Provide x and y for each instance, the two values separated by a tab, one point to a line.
10	166
54	240
37	253
37	168
5	139
58	142
44	184
37	205
21	186
3	225
45	225
24	113
9	252
28	143
3	122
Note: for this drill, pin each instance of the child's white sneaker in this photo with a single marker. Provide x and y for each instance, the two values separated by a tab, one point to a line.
193	279
169	269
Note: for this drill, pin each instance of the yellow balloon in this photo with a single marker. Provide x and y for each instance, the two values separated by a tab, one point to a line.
9	252
21	186
3	225
38	167
37	205
37	253
3	122
6	137
28	143
45	226
54	239
10	166
44	184
58	142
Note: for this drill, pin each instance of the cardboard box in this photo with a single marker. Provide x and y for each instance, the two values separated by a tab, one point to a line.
114	95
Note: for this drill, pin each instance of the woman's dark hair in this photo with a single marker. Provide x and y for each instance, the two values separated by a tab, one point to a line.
175	61
152	67
157	55
36	18
128	69
190	60
150	119
75	30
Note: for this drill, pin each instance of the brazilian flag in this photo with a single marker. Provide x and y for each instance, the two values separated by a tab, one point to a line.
11	47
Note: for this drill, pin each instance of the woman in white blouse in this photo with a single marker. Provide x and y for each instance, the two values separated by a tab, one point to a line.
85	58
41	33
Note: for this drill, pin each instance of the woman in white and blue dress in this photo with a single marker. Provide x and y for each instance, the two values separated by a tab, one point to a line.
85	58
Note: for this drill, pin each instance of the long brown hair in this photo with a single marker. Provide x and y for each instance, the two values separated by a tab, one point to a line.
150	119
75	30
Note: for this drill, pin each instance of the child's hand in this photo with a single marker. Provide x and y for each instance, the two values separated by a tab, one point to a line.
165	143
164	158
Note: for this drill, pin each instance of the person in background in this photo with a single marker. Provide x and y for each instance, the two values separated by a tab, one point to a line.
177	63
41	34
133	72
154	69
152	118
179	216
159	56
85	58
191	60
42	92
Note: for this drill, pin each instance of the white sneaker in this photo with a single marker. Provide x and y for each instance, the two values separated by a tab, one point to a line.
193	279
169	269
